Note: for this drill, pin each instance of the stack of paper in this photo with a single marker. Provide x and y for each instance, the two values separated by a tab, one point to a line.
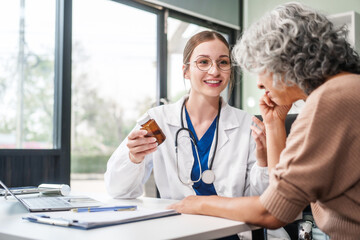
89	220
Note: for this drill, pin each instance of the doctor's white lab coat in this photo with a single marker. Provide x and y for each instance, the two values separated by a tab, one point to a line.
235	168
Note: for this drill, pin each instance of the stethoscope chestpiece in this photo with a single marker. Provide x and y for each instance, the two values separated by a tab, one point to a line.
208	177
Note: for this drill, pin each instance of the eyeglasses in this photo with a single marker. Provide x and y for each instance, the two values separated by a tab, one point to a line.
205	63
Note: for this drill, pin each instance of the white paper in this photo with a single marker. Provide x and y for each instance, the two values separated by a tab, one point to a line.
96	219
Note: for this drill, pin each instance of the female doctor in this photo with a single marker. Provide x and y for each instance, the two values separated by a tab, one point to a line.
224	162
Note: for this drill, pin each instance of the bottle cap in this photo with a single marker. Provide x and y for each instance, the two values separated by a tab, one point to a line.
143	119
65	190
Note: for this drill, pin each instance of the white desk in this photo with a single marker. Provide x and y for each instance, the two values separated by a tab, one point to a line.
174	227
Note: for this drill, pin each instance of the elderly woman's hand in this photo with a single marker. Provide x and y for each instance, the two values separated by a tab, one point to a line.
271	112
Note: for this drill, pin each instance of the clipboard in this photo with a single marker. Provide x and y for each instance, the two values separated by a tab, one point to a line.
91	220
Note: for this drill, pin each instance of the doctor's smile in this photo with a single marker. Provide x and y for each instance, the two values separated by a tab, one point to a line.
213	83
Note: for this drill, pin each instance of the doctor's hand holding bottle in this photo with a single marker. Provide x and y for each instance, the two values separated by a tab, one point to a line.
139	145
144	141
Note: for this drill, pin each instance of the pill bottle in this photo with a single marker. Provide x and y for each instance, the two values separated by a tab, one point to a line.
153	129
58	189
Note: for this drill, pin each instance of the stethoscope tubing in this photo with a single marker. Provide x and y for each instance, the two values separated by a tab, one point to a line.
192	138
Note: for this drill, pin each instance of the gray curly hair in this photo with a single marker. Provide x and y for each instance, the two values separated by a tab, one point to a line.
298	45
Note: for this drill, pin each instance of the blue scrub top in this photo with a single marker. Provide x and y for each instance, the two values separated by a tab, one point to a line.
203	145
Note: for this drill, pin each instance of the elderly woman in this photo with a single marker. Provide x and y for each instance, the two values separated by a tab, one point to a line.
298	54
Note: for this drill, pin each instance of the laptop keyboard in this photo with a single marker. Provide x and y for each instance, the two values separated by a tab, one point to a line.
46	202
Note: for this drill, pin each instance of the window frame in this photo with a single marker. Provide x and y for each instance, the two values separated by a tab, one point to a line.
60	154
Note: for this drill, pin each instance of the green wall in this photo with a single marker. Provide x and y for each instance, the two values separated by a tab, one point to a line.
254	9
225	11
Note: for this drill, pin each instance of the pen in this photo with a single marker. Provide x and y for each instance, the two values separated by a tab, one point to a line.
102	209
48	220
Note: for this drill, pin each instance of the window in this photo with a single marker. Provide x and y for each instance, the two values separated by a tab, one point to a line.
27	53
114	73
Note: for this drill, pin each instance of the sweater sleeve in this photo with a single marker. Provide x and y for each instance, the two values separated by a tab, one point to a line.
315	158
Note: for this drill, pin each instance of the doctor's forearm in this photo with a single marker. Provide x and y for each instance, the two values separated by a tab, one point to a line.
246	209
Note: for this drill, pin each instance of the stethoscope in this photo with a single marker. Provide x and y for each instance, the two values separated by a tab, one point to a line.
208	176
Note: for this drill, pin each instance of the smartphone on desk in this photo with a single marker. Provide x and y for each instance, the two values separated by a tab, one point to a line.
21	190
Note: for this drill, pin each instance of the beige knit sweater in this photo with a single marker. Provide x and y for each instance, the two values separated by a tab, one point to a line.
321	162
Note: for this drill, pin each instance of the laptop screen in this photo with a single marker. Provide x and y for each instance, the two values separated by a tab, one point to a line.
7	190
45	204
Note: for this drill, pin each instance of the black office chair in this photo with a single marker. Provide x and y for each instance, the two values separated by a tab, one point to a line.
290	118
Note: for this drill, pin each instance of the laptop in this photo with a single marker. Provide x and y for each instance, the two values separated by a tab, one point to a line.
42	203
